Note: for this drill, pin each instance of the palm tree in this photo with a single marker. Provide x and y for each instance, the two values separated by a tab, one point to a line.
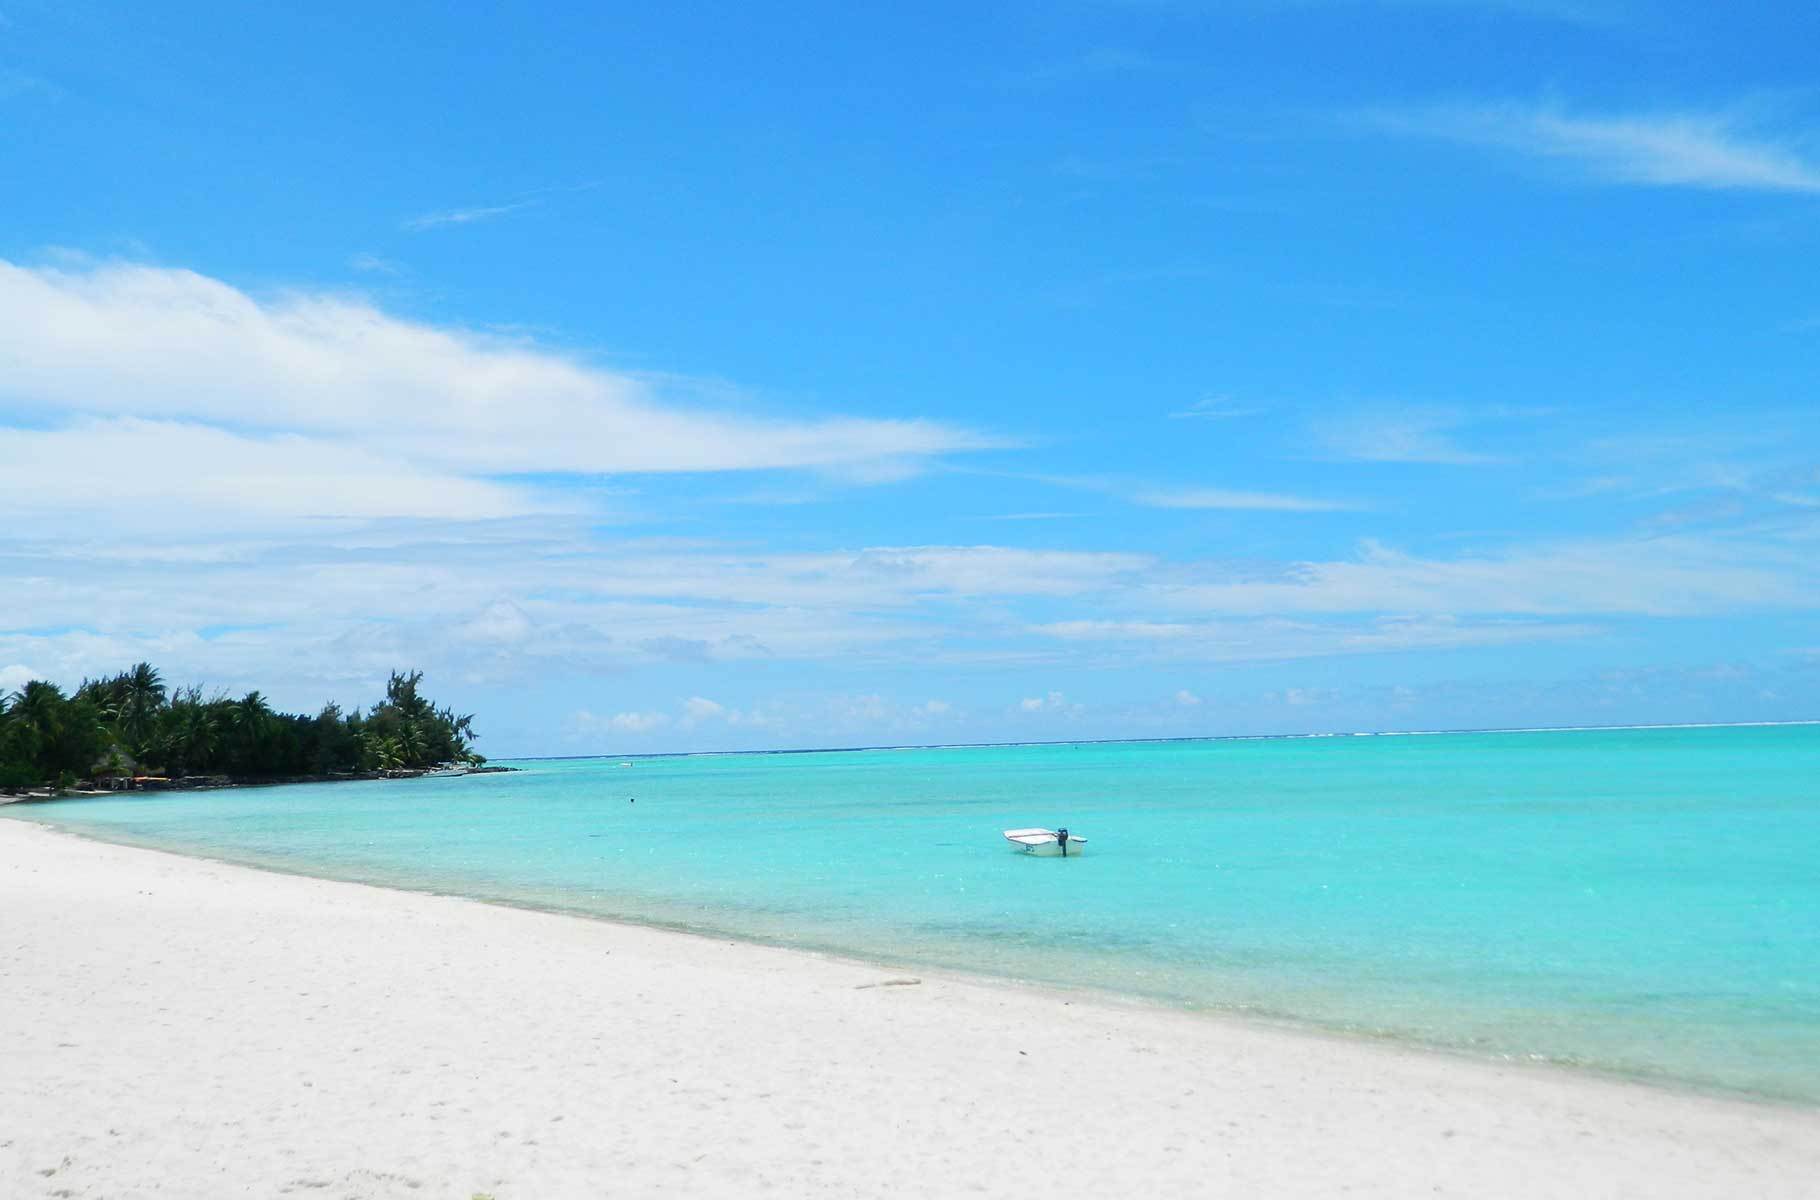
16	768
411	743
142	696
59	737
381	753
189	733
251	717
104	694
201	736
37	714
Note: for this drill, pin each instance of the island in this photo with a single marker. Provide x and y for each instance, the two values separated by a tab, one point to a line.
130	731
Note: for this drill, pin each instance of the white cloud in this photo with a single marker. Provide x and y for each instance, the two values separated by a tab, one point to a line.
637	722
15	677
502	622
1052	702
154	469
1301	697
830	719
996	570
184	389
1664	576
541	597
1700	150
697	709
585	724
1275	639
310	487
1186	698
1152	495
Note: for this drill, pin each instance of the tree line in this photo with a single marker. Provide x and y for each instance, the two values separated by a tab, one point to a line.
131	723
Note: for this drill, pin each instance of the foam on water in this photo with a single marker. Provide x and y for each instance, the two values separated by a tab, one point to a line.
1644	901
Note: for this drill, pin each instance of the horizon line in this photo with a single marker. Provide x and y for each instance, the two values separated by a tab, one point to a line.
1209	737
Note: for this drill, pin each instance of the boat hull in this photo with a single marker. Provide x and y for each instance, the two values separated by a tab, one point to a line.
1054	849
1046	843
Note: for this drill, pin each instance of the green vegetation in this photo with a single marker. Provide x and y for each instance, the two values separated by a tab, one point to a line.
132	724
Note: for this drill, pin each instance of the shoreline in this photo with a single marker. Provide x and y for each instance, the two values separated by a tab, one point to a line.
1067	993
221	783
114	948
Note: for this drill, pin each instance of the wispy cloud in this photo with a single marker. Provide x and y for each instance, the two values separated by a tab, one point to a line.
471	214
1714	150
1150	495
838	716
373	264
1219	498
1277	639
464	216
522	597
1217	408
1662	576
1400	435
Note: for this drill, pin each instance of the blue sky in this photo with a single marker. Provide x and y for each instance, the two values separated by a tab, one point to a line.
743	376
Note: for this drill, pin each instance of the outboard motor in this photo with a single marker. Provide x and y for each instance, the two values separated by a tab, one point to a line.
1061	836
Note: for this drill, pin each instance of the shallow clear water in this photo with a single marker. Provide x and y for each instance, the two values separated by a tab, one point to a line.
1641	901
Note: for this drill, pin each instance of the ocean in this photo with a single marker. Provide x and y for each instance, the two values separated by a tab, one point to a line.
1644	902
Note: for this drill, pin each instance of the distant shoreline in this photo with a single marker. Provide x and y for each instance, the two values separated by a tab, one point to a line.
1166	741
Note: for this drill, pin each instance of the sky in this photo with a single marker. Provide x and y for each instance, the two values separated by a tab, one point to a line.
721	376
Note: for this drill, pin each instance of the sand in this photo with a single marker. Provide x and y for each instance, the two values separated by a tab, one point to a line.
176	1027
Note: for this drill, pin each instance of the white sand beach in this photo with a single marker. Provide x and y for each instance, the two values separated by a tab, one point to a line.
176	1027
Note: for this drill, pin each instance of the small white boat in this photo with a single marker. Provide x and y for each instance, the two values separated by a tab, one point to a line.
1047	843
445	772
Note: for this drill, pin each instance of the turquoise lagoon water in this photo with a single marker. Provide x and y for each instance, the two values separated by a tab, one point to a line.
1639	901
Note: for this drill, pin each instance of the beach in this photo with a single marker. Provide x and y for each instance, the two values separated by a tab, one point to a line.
184	1027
